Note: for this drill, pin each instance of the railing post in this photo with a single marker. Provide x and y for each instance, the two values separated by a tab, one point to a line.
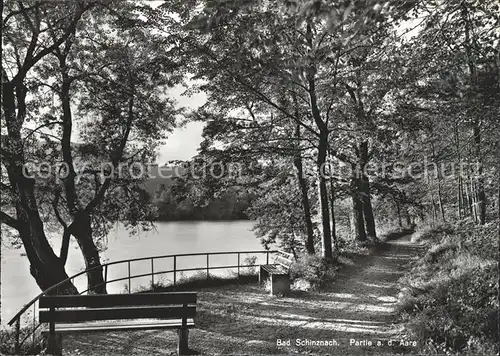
152	273
34	322
106	275
175	268
238	265
208	275
267	258
17	347
129	286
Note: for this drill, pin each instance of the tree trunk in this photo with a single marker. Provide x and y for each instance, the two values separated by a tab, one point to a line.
468	197
481	195
441	206
332	209
460	192
434	210
306	206
476	128
323	192
358	216
45	267
322	152
409	220
398	209
305	195
440	194
366	194
81	228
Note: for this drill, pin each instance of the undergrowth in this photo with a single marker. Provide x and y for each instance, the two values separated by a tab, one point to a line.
449	298
7	337
310	268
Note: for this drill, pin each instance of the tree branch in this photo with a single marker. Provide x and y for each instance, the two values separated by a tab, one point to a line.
9	220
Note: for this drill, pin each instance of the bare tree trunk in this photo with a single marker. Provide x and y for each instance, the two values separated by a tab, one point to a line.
304	190
468	192
473	198
460	193
81	227
323	192
409	222
439	178
398	209
358	216
322	153
332	208
307	208
481	195
476	128
366	193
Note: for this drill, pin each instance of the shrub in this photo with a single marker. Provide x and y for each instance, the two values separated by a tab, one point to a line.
449	300
347	247
311	268
431	234
250	260
28	348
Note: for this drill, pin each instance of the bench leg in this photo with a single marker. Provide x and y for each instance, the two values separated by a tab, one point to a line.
263	275
182	347
280	284
54	344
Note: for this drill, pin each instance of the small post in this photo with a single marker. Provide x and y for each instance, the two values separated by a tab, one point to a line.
238	265
129	277
182	346
17	346
267	258
175	268
106	275
152	273
34	322
54	341
208	275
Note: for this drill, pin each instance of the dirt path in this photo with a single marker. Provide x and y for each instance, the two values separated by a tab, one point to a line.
355	310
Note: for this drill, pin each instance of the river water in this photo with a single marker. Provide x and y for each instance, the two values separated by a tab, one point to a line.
18	287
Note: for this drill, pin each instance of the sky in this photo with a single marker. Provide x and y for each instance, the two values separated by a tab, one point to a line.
182	143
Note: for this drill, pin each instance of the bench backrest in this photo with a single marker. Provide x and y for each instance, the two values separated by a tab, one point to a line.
283	259
76	308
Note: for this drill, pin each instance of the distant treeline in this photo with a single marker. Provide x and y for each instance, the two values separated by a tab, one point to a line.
178	199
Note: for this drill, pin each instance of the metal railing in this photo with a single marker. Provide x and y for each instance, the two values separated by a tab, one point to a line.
104	268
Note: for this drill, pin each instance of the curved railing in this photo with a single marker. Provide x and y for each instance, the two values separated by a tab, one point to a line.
104	267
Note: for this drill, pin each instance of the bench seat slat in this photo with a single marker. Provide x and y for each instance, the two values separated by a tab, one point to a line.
274	269
117	325
75	315
112	300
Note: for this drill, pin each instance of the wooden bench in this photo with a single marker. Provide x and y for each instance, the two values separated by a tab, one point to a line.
278	273
117	312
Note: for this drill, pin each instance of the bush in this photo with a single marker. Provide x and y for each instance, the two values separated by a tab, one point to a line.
7	337
313	269
248	261
348	247
431	234
449	300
